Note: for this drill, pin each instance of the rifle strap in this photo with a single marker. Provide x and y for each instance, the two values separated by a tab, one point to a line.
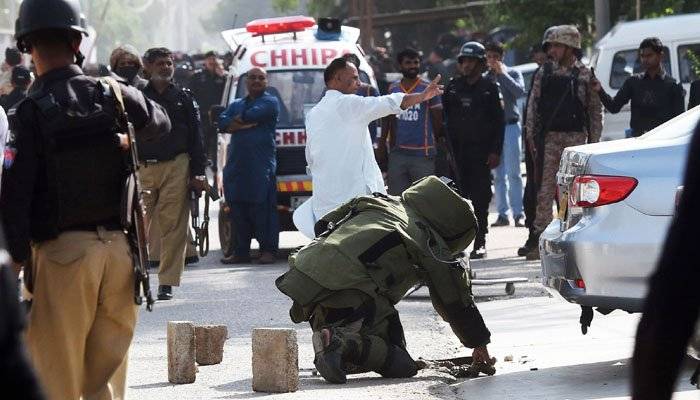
117	91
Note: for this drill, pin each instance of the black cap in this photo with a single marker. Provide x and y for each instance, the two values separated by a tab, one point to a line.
472	50
37	15
21	76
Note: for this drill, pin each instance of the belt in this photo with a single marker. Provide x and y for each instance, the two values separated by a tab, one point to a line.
512	121
152	161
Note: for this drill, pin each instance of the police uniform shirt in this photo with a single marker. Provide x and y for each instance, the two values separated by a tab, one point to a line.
653	100
474	114
26	199
185	136
15	96
207	88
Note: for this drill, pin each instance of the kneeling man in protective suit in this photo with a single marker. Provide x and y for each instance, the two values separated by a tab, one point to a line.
367	254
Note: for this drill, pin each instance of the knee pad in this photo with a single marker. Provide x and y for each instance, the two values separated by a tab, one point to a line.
398	364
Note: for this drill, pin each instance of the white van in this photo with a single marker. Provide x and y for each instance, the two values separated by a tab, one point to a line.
615	58
294	52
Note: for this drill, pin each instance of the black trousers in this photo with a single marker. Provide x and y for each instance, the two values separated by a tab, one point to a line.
475	184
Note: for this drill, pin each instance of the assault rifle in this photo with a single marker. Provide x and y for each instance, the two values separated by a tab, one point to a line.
133	210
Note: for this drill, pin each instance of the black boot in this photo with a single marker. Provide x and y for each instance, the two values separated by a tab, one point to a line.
530	243
328	359
479	250
165	292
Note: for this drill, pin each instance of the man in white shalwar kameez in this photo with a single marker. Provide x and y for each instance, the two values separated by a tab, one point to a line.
339	151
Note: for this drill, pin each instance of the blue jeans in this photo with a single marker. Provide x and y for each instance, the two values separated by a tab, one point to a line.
509	195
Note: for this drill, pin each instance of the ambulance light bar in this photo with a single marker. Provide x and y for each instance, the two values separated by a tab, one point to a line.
269	26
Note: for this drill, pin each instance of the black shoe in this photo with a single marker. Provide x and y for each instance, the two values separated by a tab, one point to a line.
501	221
530	243
478	253
191	260
519	221
165	292
328	360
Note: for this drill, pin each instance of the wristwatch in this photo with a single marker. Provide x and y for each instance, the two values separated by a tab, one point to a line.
201	178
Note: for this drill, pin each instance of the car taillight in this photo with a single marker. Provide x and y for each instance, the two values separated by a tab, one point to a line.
580	284
598	190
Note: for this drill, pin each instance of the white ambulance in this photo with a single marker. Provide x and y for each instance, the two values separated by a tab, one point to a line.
294	52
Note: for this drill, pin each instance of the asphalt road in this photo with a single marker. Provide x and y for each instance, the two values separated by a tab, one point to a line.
551	359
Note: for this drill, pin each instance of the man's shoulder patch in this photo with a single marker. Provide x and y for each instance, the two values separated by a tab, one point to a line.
10	151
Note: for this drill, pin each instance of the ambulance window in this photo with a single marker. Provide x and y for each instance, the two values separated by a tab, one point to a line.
293	89
626	62
689	62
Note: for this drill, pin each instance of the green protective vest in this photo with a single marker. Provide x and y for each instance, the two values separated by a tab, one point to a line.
382	246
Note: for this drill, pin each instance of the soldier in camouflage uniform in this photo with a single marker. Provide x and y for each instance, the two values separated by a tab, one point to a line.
563	111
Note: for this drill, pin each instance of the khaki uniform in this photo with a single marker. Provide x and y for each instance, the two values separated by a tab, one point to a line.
555	142
81	335
154	246
165	186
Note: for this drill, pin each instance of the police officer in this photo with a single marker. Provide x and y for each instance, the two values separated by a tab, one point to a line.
172	166
125	61
475	123
207	86
60	202
562	111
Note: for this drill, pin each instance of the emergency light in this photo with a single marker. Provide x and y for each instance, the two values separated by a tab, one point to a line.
269	26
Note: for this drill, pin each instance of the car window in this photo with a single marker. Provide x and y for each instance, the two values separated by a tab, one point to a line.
295	90
682	125
626	62
527	78
689	62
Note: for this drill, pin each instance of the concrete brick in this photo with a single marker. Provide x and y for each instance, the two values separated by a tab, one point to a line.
275	360
209	343
181	352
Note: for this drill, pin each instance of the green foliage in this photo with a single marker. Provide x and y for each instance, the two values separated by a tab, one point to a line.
284	6
694	62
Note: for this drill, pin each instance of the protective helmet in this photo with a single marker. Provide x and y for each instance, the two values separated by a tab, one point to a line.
473	50
564	34
37	15
547	37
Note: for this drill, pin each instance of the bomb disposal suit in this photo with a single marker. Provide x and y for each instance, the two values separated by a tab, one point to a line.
368	253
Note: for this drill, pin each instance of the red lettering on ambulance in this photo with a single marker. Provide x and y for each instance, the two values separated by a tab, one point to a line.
301	137
255	61
314	57
278	59
299	55
327	55
288	138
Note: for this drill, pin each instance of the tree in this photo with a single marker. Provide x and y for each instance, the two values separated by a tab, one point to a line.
533	17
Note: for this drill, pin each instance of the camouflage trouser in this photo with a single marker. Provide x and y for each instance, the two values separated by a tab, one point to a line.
554	144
